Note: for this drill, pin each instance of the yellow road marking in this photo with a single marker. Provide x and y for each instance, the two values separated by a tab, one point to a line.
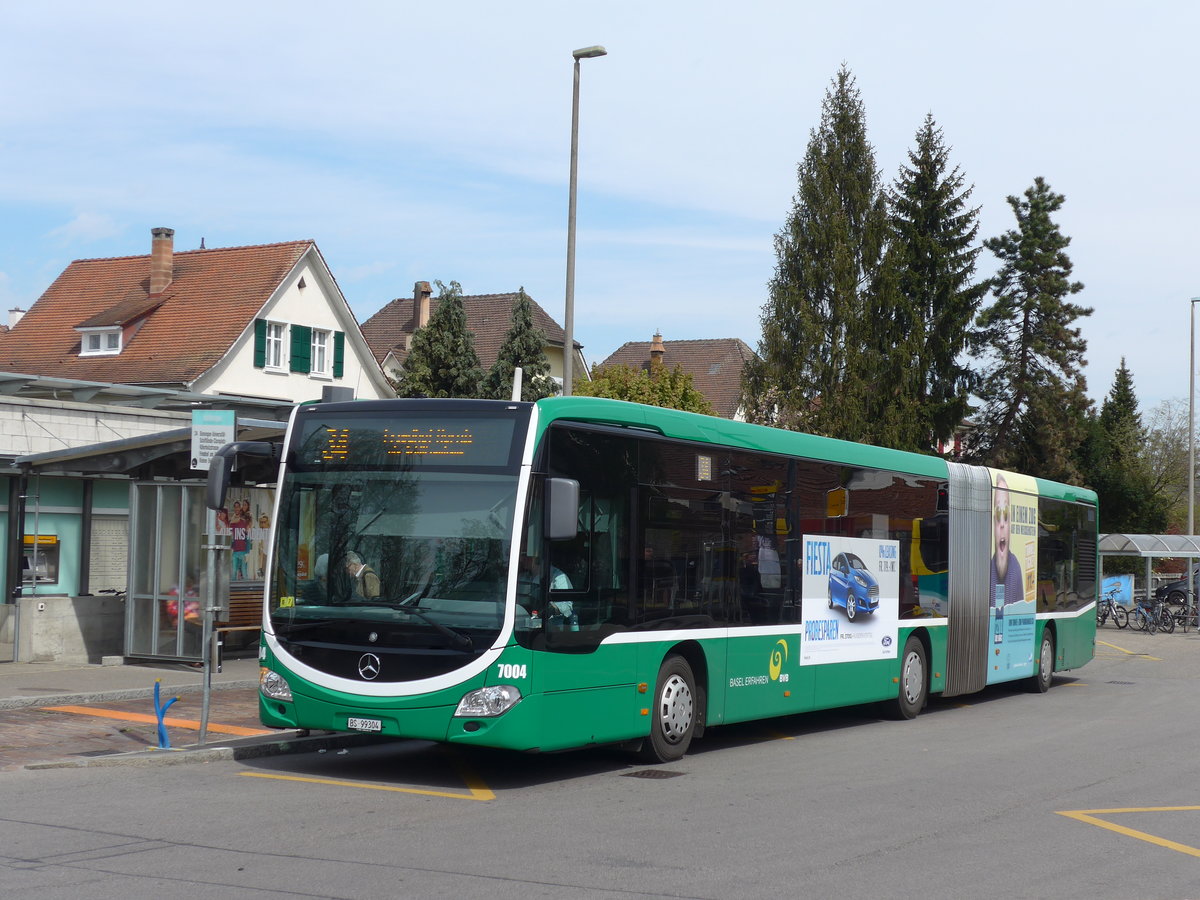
153	720
1088	816
1129	652
479	791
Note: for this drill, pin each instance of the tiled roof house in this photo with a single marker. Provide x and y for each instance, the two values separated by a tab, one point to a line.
489	316
262	321
715	364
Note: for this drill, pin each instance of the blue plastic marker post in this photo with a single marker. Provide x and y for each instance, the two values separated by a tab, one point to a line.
164	742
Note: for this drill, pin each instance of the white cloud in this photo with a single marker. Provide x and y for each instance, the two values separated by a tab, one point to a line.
85	228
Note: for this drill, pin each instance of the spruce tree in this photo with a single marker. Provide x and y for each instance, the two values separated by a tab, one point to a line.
442	361
1032	386
523	346
1119	471
826	362
933	235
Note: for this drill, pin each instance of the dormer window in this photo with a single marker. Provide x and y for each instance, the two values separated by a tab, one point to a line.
100	341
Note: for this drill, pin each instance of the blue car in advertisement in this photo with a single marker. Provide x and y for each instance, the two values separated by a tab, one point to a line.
852	586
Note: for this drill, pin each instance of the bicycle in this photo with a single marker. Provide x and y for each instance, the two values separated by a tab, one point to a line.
1151	616
1142	617
1110	607
1184	617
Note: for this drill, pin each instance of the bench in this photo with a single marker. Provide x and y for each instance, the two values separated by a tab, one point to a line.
245	612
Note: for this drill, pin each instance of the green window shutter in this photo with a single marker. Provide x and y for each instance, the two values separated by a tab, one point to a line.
301	348
260	343
339	353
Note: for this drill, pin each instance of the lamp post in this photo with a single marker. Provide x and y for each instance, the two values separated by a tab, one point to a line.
1192	424
569	319
1191	581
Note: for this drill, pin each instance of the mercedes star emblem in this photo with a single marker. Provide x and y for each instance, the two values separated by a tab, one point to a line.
369	666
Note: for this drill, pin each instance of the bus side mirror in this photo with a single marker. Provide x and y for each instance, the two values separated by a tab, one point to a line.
219	468
221	465
562	502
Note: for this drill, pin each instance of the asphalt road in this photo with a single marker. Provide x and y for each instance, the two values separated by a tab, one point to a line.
1087	791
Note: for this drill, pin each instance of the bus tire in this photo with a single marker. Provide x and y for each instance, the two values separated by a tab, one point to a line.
1040	682
914	681
673	716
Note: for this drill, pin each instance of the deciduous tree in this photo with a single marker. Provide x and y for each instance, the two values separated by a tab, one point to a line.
657	386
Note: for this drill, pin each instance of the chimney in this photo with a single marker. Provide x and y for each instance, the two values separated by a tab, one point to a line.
14	316
162	258
421	293
656	351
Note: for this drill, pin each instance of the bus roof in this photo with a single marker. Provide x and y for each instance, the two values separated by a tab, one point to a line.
687	426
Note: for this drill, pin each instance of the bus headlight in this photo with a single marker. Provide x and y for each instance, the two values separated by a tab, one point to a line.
273	685
489	701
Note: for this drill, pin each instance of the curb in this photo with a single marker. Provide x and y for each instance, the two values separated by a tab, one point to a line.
255	748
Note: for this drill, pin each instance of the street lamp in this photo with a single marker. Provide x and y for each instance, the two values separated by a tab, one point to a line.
569	320
1191	581
1192	425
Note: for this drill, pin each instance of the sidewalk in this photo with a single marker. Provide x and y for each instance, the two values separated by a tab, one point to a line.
38	731
54	684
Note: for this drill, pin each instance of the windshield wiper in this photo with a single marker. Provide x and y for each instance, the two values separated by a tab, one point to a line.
457	638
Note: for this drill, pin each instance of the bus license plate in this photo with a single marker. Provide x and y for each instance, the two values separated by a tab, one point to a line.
364	724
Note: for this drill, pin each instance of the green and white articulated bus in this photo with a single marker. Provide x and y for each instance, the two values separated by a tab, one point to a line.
578	571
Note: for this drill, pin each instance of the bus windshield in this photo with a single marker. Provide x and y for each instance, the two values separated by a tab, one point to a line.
418	560
387	545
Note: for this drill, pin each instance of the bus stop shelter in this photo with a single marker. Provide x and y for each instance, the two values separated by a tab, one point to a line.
1150	547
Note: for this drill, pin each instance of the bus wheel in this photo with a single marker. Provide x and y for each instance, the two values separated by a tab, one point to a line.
674	712
1040	682
914	685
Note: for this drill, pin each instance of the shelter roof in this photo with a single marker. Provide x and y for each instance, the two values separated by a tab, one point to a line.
1150	545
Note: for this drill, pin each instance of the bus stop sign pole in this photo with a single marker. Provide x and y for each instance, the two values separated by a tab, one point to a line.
216	545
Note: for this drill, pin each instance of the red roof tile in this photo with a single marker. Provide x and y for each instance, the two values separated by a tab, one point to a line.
489	316
213	296
715	365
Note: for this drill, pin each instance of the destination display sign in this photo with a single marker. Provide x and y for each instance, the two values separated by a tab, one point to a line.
414	441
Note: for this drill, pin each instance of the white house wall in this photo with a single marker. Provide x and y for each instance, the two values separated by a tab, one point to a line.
313	307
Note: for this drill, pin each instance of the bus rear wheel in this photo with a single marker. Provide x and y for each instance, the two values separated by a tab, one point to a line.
914	681
674	712
1040	682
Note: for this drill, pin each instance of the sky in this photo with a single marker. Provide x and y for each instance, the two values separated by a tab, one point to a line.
423	142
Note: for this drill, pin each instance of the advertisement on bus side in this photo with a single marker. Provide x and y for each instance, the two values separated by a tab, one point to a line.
1012	615
851	599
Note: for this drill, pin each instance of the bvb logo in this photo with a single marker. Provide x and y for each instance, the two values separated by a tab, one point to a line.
777	658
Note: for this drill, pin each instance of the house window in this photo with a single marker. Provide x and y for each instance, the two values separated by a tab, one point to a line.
274	345
319	360
101	343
